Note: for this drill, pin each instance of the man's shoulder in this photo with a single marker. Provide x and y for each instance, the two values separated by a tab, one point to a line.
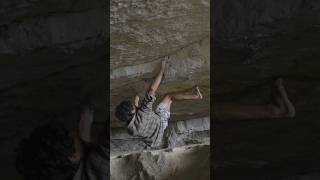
142	115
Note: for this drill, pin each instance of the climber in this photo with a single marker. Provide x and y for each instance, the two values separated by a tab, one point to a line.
279	107
142	120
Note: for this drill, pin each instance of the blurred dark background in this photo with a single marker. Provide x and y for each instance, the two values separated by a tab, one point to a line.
253	41
52	56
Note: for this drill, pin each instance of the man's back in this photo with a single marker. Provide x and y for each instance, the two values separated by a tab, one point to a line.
146	123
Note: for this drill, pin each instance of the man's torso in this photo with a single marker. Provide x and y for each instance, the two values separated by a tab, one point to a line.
146	123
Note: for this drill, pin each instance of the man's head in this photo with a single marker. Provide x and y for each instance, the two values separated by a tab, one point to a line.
125	111
46	154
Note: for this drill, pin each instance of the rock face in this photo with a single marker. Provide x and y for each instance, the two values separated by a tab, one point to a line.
143	32
180	133
189	162
52	54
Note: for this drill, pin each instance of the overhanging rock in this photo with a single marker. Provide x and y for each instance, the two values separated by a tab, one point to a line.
192	131
177	163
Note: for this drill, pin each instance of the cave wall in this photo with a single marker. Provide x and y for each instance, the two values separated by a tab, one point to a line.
188	162
50	47
145	30
142	32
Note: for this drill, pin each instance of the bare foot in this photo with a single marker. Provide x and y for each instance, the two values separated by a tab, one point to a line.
281	99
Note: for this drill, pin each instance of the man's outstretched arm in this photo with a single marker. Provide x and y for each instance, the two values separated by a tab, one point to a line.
156	82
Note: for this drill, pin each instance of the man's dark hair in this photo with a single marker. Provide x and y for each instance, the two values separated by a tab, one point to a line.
124	111
45	154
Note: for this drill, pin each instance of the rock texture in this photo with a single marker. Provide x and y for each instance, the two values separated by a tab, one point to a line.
143	32
178	163
180	133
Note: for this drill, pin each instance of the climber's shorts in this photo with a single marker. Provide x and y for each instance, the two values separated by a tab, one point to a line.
163	111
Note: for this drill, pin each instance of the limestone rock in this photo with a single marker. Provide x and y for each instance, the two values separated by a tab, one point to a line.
178	163
143	31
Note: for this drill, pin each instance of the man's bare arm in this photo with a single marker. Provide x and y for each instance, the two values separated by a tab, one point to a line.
156	82
136	101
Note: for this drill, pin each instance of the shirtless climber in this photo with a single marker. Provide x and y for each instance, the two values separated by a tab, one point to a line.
142	120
